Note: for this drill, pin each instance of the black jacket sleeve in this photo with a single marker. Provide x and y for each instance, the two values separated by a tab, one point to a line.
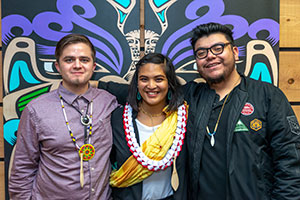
285	144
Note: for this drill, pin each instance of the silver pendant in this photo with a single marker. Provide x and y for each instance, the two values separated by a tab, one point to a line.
212	141
85	120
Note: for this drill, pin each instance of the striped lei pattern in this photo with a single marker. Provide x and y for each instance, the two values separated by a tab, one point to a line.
155	165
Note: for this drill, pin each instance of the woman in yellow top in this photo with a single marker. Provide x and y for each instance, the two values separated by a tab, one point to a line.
148	134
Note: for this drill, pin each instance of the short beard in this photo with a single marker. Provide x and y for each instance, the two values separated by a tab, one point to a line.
211	81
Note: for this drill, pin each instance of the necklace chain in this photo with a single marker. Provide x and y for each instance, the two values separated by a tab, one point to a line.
152	124
212	135
212	139
149	114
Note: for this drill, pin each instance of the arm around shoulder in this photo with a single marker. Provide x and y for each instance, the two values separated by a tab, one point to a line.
120	90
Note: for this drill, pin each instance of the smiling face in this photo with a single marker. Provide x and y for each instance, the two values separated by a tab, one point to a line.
153	84
216	68
76	67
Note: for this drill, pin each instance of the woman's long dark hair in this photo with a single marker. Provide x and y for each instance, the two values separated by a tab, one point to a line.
174	85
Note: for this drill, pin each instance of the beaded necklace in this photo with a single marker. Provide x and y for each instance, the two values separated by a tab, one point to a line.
86	151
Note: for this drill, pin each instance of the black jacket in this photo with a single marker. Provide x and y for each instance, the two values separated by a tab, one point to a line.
120	153
263	162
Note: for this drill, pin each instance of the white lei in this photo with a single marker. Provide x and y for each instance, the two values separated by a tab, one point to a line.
155	165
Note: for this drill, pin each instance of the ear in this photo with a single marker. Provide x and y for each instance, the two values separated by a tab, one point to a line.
235	51
57	66
94	66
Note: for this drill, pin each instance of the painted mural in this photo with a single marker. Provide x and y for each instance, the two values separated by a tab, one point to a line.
30	32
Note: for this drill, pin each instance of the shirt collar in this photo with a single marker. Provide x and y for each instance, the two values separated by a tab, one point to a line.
70	97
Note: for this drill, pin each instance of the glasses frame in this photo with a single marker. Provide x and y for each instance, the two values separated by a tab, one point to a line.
223	45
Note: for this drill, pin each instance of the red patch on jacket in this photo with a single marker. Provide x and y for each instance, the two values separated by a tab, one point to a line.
248	109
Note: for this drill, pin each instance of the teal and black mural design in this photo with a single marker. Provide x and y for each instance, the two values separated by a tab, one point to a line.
31	29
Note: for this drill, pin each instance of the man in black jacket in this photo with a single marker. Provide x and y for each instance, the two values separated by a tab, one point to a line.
243	137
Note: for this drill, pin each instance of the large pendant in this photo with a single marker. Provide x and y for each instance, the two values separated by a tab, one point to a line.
85	120
87	151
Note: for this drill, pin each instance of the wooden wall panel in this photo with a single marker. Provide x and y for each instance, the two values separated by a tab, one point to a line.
289	74
2	187
289	23
297	111
289	58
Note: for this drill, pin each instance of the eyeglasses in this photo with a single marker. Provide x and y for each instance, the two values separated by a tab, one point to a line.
215	49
